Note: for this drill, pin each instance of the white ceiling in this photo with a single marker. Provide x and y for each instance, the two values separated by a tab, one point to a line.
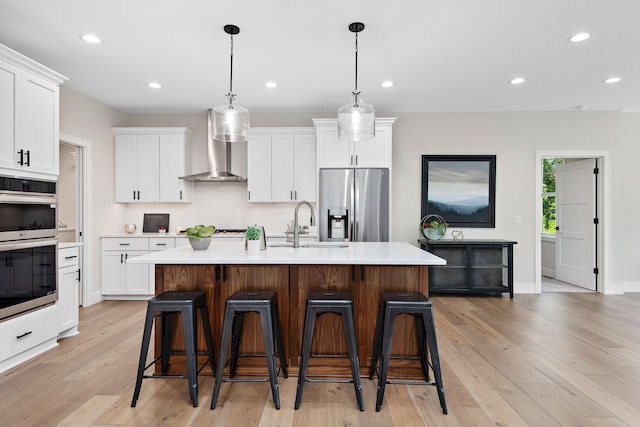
443	56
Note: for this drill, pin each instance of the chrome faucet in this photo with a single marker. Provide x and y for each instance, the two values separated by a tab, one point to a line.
296	233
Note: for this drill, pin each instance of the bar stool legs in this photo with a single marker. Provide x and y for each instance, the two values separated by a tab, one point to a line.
169	304
417	305
238	304
318	303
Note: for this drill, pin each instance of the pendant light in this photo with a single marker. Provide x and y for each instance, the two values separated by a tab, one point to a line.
356	121
231	121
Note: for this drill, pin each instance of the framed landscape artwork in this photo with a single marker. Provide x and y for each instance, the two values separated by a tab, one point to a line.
461	189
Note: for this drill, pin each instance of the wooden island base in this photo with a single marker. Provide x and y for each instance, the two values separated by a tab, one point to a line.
292	284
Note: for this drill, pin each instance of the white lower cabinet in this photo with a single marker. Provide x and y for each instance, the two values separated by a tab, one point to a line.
28	335
68	281
118	277
122	280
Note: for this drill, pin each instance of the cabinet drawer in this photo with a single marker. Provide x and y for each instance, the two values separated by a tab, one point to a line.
161	243
27	331
125	244
67	257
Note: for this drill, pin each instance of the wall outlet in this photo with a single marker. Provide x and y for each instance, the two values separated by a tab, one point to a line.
518	219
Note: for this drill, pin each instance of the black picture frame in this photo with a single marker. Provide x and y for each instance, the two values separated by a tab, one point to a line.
460	188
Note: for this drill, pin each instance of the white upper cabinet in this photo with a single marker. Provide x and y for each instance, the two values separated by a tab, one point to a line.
29	116
149	162
175	161
281	165
333	152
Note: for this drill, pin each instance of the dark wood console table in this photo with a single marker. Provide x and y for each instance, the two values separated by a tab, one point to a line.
473	266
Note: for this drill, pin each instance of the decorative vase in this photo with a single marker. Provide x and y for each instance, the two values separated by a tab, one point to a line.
130	228
253	247
200	244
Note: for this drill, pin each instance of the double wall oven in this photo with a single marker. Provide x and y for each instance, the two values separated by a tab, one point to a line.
28	245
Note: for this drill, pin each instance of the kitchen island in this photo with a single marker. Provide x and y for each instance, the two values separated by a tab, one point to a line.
363	269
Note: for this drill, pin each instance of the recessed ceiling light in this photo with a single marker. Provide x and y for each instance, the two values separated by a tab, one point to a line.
154	85
386	84
91	38
517	81
579	37
611	80
271	85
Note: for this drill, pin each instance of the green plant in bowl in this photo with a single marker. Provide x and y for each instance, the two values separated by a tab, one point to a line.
200	236
253	233
199	231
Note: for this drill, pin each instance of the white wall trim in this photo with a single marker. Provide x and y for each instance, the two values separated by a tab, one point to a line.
87	202
604	212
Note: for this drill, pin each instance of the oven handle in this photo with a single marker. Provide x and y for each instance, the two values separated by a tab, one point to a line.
25	244
8	197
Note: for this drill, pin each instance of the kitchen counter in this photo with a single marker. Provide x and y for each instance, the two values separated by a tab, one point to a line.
64	245
361	253
363	269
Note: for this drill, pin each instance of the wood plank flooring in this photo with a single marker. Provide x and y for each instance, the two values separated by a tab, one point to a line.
556	359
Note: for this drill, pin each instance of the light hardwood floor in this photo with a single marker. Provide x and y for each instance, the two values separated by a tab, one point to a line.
557	359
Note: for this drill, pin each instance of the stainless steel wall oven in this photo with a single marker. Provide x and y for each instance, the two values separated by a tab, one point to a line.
28	245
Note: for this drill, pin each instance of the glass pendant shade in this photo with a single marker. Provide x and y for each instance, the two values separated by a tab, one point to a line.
356	121
231	122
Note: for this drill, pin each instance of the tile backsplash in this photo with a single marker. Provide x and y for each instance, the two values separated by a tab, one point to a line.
224	205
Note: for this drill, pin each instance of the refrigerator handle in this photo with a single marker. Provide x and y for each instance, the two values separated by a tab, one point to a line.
355	200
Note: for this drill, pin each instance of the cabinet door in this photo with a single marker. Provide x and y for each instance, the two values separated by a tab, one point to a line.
304	168
136	276
259	168
112	274
125	168
282	161
39	124
9	78
148	165
172	166
332	151
374	153
68	297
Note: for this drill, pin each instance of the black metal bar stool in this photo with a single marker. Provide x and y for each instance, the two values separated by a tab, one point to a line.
170	304
238	304
419	306
320	302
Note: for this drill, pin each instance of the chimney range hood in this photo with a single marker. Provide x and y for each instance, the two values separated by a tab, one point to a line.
222	166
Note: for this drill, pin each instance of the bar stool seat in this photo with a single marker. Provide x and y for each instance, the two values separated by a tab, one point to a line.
170	304
320	302
238	304
416	304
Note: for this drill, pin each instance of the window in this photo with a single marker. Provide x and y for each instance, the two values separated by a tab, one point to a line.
549	194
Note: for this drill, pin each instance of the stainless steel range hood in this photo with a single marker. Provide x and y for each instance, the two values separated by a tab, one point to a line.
227	161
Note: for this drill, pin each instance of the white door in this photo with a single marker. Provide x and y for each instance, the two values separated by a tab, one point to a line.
575	213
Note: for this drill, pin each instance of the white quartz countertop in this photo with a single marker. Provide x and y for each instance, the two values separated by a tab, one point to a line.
64	245
361	253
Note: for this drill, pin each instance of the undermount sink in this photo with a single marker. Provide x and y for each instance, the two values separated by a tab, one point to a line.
325	245
310	245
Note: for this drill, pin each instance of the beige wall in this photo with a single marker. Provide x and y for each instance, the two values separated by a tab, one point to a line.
513	137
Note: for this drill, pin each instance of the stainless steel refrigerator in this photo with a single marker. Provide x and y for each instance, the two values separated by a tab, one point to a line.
354	205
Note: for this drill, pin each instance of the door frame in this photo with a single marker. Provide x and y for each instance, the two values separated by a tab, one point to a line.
603	209
86	249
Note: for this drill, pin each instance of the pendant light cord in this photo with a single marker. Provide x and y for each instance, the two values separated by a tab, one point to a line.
356	91
231	74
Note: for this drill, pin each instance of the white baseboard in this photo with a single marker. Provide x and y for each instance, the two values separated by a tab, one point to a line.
28	354
524	288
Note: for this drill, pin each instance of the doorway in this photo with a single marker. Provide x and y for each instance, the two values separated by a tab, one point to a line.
73	203
602	208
